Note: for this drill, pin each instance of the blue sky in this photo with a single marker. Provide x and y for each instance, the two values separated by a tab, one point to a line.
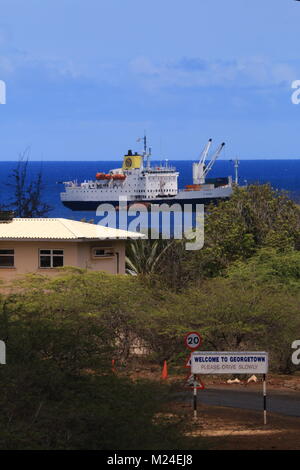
85	77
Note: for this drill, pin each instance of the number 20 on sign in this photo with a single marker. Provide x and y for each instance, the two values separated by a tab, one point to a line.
193	340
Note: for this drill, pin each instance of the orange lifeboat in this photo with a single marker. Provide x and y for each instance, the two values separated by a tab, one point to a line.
108	177
100	176
119	177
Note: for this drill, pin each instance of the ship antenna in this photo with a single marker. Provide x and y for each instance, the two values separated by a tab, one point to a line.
145	143
147	154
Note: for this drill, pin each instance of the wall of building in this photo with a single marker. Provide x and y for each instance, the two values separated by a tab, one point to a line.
75	254
113	265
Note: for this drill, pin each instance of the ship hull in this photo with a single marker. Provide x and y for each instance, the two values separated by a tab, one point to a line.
93	205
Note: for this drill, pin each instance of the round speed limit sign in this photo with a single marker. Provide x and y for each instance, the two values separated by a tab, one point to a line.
193	340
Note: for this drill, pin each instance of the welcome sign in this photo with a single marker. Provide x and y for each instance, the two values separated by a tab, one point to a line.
227	362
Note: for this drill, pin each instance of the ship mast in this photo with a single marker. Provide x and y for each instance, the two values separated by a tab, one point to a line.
146	154
145	144
236	169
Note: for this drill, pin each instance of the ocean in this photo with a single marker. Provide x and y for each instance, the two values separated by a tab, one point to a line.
281	174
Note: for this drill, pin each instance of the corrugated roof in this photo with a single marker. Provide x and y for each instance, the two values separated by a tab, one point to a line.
60	229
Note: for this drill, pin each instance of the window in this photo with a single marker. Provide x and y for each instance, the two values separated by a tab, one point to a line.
7	258
51	258
101	252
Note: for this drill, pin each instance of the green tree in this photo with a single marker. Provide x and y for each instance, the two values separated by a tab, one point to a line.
57	390
254	217
267	266
145	256
255	304
27	192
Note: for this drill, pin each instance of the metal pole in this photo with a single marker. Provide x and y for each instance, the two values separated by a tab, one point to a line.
265	398
236	166
195	397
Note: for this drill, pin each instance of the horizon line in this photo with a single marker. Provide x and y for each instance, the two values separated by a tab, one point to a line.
155	160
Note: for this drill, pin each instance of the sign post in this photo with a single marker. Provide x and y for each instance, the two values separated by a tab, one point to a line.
228	362
265	398
192	341
195	399
2	352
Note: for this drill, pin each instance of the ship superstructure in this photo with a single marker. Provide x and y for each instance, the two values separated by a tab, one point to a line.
139	181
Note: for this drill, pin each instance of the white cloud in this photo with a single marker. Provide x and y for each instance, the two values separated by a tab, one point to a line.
251	72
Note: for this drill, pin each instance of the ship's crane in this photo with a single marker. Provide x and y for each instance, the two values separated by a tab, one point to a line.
213	159
205	152
200	170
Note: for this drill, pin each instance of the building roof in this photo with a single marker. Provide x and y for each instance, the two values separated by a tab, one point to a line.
60	229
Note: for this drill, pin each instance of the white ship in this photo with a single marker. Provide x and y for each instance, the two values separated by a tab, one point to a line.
142	182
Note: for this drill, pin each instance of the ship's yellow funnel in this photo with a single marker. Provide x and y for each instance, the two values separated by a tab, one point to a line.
132	161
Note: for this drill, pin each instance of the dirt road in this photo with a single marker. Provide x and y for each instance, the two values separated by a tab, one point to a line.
286	403
232	418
